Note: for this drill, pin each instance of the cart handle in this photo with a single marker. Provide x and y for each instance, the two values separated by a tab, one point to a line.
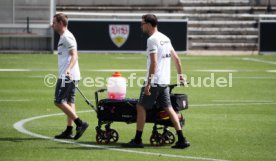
85	98
172	86
101	90
97	95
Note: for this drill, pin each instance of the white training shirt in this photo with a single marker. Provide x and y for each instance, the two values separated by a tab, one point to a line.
161	45
66	43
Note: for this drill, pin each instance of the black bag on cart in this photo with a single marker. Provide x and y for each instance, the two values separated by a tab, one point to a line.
179	102
117	110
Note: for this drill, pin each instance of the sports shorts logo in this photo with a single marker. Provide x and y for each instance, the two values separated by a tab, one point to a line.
118	34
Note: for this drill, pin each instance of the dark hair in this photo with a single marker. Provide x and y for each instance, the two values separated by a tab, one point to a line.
60	17
150	18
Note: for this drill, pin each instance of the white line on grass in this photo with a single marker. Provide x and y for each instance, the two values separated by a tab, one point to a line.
259	60
217	70
234	104
129	58
37	76
254	77
244	101
197	70
22	100
118	70
15	70
271	71
136	70
19	126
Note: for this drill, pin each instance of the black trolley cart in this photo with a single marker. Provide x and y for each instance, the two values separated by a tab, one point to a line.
109	111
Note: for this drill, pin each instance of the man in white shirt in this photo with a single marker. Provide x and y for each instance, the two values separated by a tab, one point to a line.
159	54
69	75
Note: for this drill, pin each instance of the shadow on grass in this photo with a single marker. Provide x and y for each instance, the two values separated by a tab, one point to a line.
117	145
14	139
93	145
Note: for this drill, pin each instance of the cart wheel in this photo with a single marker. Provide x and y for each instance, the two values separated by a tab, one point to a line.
101	138
168	137
157	140
112	136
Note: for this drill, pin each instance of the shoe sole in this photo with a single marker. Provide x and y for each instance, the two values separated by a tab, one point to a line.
78	135
64	138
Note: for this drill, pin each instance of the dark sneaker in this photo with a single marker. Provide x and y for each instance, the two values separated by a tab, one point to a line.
133	144
181	145
64	135
80	130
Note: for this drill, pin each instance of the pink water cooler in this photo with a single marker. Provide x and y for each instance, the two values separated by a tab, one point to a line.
116	86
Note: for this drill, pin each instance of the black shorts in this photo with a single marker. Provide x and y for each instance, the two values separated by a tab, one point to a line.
159	94
65	91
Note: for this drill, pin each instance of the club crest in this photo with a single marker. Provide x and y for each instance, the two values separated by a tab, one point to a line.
118	34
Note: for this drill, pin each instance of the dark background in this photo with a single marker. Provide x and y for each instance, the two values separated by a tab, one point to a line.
267	36
94	35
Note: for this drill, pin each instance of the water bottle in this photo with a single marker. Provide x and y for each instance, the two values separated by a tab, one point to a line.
116	86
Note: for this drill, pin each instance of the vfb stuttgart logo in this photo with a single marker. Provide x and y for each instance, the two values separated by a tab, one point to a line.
118	34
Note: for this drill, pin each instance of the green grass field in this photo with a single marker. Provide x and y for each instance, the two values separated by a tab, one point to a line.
235	123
